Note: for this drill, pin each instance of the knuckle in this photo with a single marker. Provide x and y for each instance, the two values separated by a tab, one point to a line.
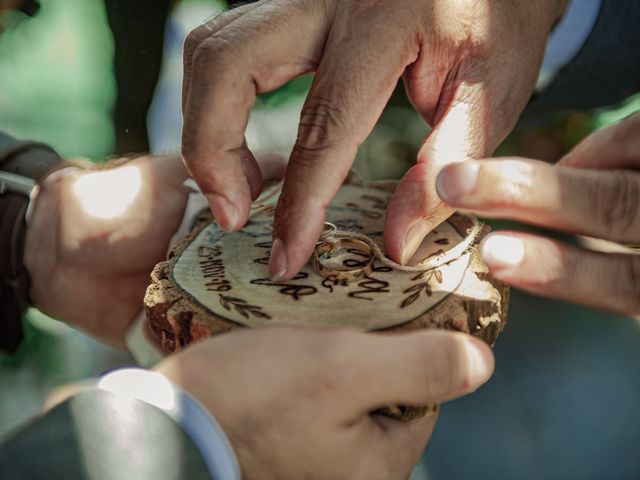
322	124
203	55
505	196
507	185
208	28
194	38
215	50
220	19
617	202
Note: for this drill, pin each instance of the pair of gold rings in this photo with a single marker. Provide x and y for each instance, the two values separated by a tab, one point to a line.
351	270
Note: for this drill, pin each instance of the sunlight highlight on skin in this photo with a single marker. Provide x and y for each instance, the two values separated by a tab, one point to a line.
151	387
451	141
107	194
517	180
517	172
502	250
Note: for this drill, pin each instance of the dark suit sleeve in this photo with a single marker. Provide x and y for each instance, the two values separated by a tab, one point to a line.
96	435
605	71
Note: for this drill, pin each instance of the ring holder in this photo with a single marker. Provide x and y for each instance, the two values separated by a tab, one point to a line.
214	282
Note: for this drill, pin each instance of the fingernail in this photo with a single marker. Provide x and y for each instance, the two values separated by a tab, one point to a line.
481	362
455	181
224	212
278	261
502	253
412	240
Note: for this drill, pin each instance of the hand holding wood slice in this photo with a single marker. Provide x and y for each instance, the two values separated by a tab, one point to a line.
214	282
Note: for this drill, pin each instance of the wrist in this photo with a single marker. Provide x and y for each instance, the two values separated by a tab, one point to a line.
41	233
23	165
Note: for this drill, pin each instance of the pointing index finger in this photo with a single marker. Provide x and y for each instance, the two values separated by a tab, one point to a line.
355	78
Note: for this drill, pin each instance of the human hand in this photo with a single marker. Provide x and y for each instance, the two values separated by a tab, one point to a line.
296	403
96	235
594	191
469	66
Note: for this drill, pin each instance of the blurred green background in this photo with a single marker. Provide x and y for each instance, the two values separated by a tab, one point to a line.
565	398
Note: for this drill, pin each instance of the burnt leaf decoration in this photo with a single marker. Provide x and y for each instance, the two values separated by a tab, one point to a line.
242	307
425	286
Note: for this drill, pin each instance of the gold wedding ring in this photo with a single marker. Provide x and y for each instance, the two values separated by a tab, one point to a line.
348	273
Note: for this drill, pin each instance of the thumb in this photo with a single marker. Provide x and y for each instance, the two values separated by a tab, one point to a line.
415	209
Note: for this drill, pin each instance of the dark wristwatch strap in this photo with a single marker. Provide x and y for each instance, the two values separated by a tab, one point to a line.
33	161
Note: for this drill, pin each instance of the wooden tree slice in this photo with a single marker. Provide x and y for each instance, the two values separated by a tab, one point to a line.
214	282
